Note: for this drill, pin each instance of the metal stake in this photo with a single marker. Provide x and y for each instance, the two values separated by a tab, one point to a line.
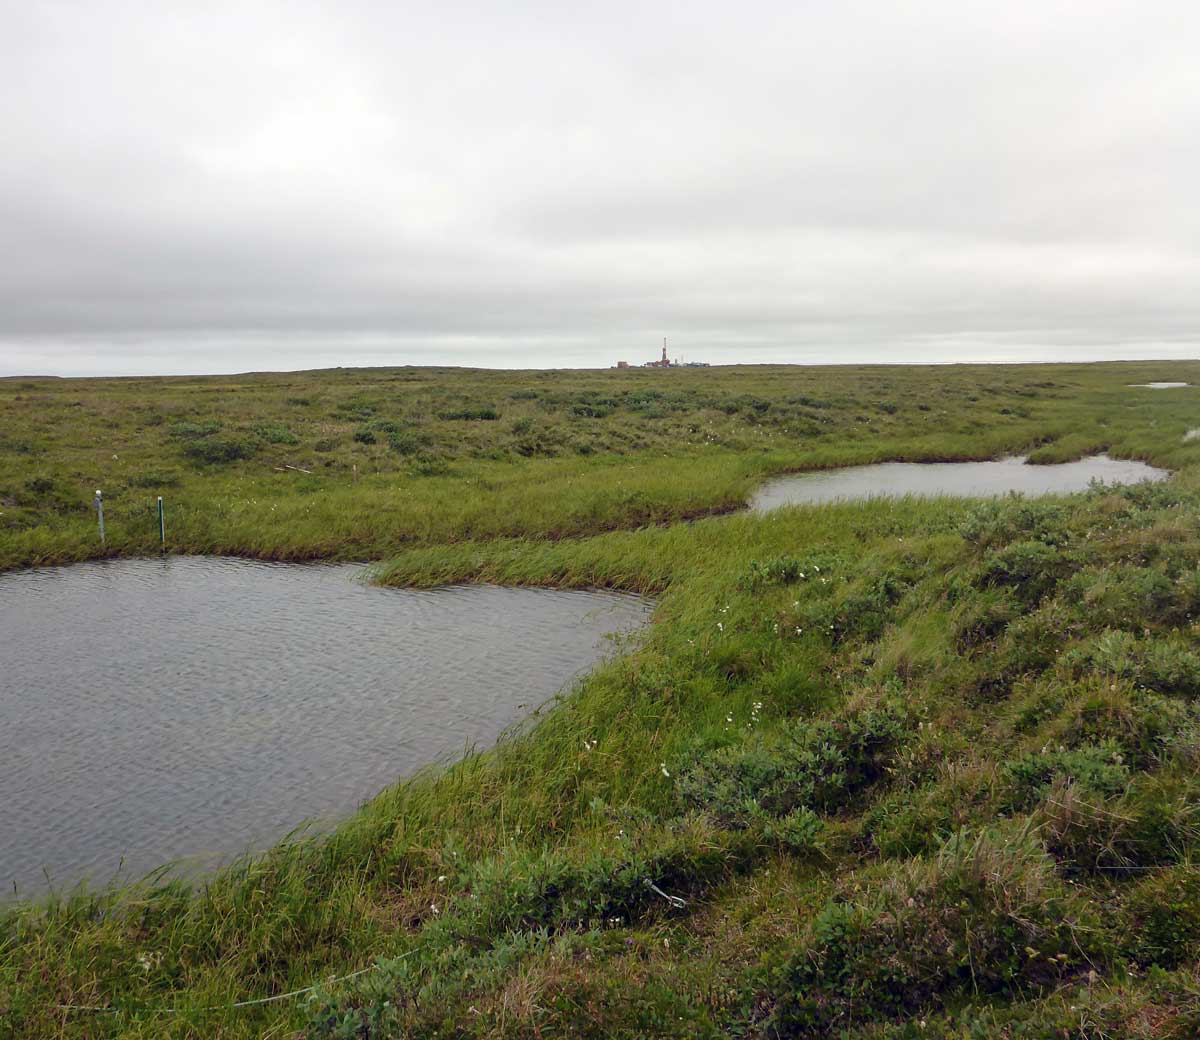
162	524
98	502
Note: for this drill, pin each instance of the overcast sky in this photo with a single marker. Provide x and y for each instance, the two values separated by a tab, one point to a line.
201	186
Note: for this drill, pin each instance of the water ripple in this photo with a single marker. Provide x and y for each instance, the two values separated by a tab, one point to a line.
193	708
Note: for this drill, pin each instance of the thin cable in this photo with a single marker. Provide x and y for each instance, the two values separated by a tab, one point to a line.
103	1009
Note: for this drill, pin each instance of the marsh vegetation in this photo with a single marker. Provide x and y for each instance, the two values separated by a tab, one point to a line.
884	769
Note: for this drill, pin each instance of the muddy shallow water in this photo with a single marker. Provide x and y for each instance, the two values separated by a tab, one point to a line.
962	479
197	708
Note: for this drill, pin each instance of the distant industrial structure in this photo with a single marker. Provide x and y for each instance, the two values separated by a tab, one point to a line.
663	362
666	362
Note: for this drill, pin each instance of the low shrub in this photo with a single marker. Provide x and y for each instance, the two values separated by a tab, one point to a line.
218	450
785	570
1120	596
1097	769
276	433
1029	569
188	431
1149	729
408	442
471	415
862	612
1166	665
813	765
1162	917
1001	521
592	410
986	914
1154	823
155	479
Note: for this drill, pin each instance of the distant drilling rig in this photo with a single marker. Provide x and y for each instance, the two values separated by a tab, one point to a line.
664	361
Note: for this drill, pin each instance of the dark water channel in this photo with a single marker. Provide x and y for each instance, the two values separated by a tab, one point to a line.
961	479
195	708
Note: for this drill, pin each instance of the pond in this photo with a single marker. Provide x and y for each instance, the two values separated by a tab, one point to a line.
962	479
196	708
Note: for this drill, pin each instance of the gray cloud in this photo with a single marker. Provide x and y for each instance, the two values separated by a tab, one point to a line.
190	187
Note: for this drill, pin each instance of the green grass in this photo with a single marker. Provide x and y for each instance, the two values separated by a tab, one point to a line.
352	464
922	761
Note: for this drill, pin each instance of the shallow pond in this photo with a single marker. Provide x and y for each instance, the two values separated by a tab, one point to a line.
962	479
1159	386
195	708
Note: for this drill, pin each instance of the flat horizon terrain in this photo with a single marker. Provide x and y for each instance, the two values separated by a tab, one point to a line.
897	768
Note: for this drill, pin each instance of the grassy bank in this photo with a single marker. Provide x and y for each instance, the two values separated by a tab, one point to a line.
915	769
353	464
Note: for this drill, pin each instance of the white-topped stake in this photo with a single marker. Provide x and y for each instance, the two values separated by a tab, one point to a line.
162	524
98	502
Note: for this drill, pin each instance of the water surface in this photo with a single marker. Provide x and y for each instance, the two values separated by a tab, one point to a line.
962	479
196	708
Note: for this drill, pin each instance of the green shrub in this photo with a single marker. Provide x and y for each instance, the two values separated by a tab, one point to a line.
787	570
1120	596
986	914
429	465
1150	729
1162	917
408	442
1154	823
1001	521
364	435
915	822
814	765
155	479
591	411
1166	665
1033	641
602	887
798	831
359	410
862	612
471	414
276	433
188	431
1096	769
218	450
1029	569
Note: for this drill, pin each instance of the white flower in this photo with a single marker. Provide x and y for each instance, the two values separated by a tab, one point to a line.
663	767
441	877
